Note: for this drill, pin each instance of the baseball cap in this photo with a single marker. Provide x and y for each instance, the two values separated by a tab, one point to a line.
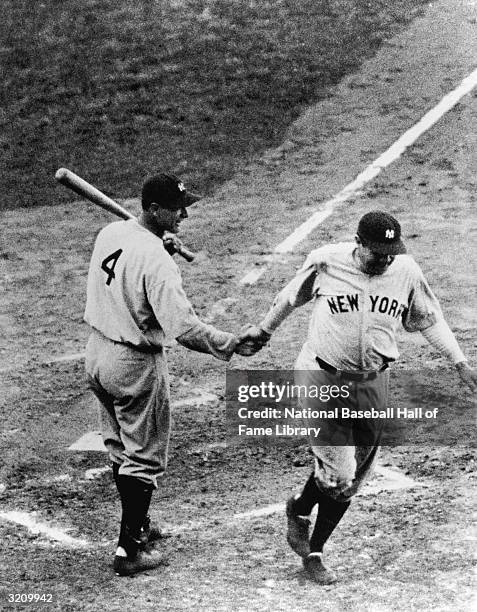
168	191
381	233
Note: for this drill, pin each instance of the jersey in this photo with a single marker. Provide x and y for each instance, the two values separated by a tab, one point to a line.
134	290
356	316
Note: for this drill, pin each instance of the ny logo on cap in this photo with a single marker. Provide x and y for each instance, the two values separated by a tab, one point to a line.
390	233
181	187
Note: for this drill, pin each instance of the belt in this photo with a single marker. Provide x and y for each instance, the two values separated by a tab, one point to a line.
148	350
357	376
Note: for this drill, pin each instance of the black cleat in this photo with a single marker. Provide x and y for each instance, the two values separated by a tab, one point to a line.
151	531
298	531
141	562
316	571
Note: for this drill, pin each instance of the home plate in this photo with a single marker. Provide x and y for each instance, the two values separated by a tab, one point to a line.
91	441
389	479
385	479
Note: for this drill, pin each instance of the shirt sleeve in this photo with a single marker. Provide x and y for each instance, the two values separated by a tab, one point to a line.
303	287
424	309
300	290
178	320
441	337
170	305
279	311
208	339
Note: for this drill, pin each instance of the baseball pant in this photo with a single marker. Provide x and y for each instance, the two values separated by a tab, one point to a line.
132	389
346	451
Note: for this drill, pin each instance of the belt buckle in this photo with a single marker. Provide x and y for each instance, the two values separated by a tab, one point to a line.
349	375
357	376
370	375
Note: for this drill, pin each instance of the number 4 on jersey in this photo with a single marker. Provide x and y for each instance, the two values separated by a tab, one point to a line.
113	260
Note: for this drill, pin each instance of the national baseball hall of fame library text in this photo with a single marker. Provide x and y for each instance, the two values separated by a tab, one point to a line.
423	407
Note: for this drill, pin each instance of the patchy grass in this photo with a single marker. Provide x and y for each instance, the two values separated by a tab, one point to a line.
116	89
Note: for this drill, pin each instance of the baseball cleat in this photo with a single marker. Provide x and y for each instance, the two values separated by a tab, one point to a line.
315	569
298	531
151	531
141	562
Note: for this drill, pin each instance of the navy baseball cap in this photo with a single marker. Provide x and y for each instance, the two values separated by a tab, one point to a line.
381	233
168	191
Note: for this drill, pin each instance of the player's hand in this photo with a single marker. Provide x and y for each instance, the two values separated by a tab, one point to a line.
172	244
251	340
467	375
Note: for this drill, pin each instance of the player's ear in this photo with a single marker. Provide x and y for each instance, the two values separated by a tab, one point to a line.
357	239
153	206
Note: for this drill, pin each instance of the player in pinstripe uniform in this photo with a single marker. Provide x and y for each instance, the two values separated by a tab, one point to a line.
362	292
135	303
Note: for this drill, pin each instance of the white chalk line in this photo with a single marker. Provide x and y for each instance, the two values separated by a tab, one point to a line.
38	528
392	480
203	398
369	173
69	357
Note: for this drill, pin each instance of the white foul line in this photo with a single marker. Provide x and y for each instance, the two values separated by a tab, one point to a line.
369	173
53	533
391	480
68	357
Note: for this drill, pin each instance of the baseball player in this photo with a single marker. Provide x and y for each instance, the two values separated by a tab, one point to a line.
362	292
135	303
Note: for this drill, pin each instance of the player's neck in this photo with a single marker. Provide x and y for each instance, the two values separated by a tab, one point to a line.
359	263
356	259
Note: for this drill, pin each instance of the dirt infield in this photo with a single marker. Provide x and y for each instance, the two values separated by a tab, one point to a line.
405	549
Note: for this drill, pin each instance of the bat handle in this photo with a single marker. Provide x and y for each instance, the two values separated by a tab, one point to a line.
178	246
186	254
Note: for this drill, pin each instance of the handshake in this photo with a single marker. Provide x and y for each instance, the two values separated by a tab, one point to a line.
251	339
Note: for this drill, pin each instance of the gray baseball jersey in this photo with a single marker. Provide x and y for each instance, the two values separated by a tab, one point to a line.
135	293
356	316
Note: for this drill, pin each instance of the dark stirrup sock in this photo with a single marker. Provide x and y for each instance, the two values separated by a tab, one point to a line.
135	500
116	467
330	513
308	498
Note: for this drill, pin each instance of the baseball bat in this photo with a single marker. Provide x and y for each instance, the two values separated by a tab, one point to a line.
86	190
